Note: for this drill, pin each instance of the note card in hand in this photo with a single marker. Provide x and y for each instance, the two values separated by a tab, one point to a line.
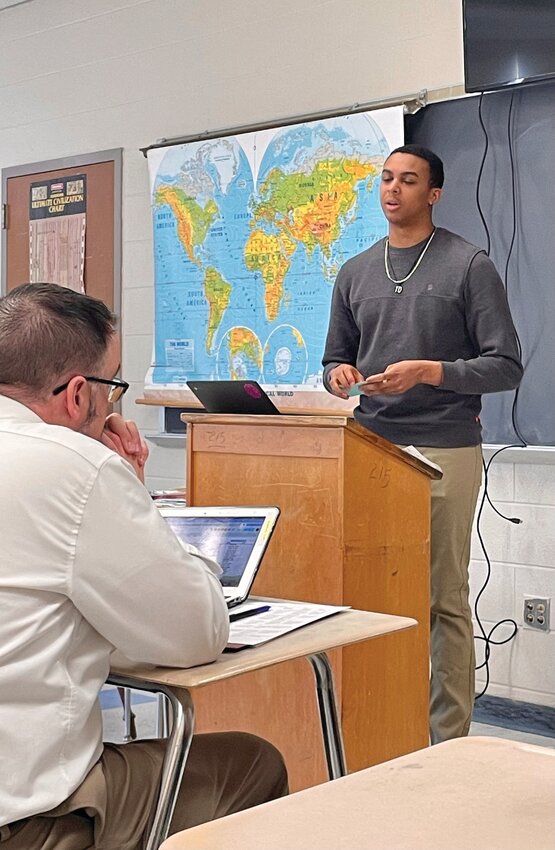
355	389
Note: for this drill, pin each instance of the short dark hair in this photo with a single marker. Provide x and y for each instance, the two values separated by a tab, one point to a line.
436	165
48	332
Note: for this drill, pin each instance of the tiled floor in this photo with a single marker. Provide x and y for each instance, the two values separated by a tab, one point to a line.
511	734
144	708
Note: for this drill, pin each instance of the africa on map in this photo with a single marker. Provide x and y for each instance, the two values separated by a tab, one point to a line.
249	234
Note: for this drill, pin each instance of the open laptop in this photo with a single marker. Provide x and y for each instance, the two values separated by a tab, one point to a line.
234	537
233	397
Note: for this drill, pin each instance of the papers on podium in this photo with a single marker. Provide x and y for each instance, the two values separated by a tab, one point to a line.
412	450
280	618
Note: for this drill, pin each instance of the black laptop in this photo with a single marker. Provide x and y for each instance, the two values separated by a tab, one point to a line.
232	397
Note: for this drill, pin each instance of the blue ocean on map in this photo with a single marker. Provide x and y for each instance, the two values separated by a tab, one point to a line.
244	272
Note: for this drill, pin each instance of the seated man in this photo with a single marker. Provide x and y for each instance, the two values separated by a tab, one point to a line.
88	566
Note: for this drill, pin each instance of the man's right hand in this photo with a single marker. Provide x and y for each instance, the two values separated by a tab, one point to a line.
123	437
342	377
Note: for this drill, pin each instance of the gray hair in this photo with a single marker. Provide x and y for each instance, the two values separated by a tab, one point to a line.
48	332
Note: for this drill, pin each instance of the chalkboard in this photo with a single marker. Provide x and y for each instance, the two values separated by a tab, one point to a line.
453	130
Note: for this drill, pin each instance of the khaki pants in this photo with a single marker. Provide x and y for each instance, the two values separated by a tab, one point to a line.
451	638
112	808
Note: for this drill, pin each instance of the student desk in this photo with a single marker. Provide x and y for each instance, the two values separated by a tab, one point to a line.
312	642
463	794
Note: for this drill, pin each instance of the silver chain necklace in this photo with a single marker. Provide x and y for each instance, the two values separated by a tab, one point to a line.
387	264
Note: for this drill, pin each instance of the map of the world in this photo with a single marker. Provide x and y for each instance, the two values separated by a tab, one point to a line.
249	234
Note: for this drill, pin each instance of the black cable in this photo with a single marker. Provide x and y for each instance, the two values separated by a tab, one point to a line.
523	443
513	193
516	520
480	171
514	421
487	638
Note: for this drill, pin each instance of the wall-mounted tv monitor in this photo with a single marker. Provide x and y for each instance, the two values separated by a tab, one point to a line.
507	42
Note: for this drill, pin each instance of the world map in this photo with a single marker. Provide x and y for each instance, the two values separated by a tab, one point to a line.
249	234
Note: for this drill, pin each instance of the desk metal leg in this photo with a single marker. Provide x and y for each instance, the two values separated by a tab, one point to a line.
177	750
162	717
331	728
127	720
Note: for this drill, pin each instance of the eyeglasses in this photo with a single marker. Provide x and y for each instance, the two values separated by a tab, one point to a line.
117	387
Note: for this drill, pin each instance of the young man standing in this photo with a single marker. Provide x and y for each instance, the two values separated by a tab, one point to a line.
422	318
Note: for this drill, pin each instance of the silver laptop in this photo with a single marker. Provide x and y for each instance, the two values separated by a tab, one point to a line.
234	537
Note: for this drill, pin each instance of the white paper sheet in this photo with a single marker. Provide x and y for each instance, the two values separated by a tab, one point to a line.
283	617
411	450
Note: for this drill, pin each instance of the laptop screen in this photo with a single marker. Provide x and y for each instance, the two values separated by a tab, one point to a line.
235	537
228	540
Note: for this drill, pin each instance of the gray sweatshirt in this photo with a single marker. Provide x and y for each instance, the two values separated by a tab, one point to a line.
453	309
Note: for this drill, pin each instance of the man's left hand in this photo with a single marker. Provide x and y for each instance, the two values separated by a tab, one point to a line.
403	376
123	437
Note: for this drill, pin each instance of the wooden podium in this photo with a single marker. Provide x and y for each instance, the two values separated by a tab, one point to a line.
354	530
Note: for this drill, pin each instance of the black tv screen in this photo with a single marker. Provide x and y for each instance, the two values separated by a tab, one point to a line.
507	42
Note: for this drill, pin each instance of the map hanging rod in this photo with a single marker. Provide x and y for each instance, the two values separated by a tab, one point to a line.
411	103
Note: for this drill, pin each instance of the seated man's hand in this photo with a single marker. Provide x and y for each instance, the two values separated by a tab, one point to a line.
343	377
123	437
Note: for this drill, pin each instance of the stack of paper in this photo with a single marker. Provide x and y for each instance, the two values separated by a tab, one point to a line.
276	619
412	450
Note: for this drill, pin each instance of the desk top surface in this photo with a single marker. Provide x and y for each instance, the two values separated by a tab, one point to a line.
463	794
339	630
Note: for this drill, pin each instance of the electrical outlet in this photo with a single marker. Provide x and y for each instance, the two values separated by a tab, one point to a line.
536	612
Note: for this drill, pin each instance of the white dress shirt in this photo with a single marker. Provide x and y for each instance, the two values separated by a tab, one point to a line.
87	565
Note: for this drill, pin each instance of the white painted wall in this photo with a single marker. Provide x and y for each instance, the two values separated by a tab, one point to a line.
77	76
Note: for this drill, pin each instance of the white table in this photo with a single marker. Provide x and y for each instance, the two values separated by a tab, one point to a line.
466	794
311	641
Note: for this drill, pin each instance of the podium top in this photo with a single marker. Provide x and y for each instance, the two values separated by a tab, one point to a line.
326	421
297	417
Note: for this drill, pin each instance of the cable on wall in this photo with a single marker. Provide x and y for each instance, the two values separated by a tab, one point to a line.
481	171
488	638
514	419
